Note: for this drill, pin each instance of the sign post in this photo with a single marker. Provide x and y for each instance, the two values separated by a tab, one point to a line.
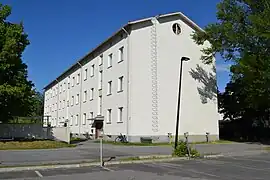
101	150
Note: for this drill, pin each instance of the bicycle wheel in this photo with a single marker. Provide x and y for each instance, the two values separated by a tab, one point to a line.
118	139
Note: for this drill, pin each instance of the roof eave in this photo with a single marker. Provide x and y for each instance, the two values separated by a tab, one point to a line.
184	17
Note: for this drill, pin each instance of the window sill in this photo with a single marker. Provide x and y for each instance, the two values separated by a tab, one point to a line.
91	99
92	76
108	123
120	91
120	61
84	101
85	79
109	67
109	94
119	122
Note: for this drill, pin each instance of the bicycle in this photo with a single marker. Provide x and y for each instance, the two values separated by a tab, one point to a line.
121	138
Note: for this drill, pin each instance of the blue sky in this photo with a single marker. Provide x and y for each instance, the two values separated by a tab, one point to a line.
62	31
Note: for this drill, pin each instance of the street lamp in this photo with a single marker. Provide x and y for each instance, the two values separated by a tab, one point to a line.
179	98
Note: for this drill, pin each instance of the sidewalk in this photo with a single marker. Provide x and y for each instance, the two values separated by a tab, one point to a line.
89	151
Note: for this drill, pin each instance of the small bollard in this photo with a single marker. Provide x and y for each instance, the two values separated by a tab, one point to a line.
186	137
207	136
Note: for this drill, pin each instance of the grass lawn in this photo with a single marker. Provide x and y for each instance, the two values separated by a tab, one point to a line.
47	144
267	148
214	142
162	144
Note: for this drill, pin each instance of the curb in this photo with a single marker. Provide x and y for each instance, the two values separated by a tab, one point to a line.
212	156
141	159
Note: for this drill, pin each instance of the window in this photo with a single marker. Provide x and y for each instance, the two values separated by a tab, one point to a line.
76	119
73	81
60	89
100	80
64	103
120	84
109	116
176	28
59	105
99	105
78	78
68	82
77	99
109	90
91	116
120	115
67	103
92	70
84	118
91	94
121	54
71	120
72	100
84	96
110	60
100	60
85	74
64	87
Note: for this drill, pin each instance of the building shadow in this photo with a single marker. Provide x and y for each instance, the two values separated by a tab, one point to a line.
208	88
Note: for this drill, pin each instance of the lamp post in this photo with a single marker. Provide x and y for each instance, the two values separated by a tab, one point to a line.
179	98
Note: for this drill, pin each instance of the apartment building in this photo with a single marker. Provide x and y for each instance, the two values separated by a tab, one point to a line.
129	83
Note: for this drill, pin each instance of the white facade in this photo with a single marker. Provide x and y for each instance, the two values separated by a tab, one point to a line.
140	76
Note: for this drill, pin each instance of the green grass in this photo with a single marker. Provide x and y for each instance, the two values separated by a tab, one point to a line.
214	142
267	148
23	145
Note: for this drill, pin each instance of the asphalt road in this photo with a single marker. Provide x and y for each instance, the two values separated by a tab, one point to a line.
88	151
247	167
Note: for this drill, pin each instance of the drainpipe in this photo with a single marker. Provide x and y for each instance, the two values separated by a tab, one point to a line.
80	99
128	83
57	102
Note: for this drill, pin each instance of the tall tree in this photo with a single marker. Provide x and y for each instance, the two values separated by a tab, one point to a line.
242	36
16	93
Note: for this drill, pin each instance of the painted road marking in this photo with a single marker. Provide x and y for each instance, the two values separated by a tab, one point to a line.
39	174
108	169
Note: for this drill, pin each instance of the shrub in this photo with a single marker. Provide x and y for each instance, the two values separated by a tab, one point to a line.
182	150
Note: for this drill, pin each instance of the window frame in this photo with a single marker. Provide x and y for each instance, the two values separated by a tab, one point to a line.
121	54
110	59
120	115
109	88
85	74
109	116
120	84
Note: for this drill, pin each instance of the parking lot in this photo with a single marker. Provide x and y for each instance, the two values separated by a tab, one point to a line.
224	168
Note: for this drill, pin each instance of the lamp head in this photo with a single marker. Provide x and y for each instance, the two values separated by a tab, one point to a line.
185	58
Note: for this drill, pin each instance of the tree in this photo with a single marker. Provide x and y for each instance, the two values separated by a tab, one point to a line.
38	105
242	35
16	93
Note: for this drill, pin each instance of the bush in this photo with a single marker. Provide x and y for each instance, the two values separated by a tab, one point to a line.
182	150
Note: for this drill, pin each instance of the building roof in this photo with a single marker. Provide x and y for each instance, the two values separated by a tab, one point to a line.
77	64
